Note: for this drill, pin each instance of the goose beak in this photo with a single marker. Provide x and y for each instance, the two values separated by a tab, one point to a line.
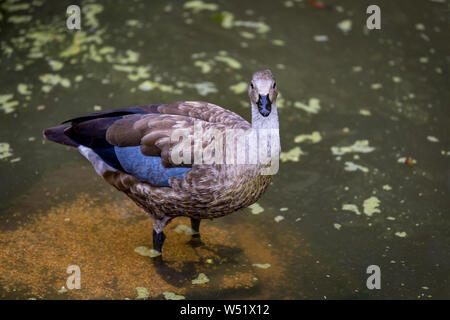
264	105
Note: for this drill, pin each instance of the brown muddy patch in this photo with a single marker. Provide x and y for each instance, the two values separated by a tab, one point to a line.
100	238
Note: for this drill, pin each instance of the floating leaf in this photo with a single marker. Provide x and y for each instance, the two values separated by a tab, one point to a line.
371	206
239	88
321	38
314	137
142	293
20	19
90	11
201	279
23	89
232	63
146	252
51	80
205	67
62	290
345	25
292	155
6	104
182	228
278	42
56	65
432	139
5	150
198	5
351	207
350	166
172	296
313	105
376	86
361	146
256	208
400	234
205	88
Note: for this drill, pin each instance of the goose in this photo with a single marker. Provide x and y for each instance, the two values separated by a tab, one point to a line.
133	150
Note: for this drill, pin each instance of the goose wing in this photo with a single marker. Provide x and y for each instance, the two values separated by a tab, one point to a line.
139	141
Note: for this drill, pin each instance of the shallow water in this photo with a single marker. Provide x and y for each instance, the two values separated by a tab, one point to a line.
389	87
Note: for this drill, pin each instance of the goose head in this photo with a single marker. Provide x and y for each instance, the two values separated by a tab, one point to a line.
263	92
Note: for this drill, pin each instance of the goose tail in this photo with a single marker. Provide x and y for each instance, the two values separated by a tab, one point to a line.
57	134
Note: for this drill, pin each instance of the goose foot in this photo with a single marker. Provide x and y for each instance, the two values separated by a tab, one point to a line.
195	225
158	240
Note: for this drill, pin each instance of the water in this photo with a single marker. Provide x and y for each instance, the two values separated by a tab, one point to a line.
387	86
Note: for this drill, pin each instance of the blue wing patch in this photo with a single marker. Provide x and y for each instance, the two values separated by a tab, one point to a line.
145	168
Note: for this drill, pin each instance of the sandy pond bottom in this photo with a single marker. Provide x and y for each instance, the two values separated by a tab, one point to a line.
101	239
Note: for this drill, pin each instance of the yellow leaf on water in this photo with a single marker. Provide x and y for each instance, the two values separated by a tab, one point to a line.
201	279
142	293
371	206
256	208
172	296
146	252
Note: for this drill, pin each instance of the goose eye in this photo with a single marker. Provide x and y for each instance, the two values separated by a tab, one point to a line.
251	85
274	85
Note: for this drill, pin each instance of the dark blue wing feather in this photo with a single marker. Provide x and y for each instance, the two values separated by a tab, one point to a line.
146	168
90	131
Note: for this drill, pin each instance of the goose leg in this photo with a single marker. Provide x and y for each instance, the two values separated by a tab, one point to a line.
158	240
158	235
195	225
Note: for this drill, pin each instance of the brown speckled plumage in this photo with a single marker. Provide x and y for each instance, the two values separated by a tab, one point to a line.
206	190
